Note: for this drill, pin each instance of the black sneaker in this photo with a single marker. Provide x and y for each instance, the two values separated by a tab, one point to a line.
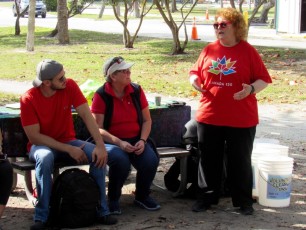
38	226
107	220
149	203
114	208
200	206
246	210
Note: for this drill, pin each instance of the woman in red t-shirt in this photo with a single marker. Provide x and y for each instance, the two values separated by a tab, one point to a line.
228	74
125	132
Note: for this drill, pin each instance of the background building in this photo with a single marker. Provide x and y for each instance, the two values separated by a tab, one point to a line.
291	16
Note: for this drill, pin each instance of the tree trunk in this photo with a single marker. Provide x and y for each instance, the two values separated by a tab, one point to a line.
240	6
254	13
177	47
62	18
232	4
54	32
118	10
128	39
17	26
173	6
17	23
256	3
31	26
265	10
102	9
136	9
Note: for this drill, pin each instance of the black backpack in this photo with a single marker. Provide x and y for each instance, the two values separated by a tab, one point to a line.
190	142
74	200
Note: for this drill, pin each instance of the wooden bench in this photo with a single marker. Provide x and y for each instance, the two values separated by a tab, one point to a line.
167	127
23	166
182	154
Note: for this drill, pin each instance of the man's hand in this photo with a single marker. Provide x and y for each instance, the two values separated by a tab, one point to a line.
78	154
99	157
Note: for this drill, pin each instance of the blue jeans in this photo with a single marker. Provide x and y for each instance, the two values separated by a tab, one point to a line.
45	158
120	165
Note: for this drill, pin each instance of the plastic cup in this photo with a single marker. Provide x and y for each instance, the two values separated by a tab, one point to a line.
157	100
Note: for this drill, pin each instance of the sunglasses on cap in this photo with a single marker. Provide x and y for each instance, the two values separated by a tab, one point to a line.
117	60
221	24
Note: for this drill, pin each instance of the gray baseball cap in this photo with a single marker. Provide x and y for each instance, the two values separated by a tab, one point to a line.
46	70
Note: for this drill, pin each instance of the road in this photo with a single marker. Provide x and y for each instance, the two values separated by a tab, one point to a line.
258	35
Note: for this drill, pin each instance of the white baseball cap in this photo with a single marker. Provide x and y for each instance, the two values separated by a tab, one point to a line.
115	63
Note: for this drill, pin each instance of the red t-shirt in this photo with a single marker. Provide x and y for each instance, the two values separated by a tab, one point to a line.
222	70
53	114
124	122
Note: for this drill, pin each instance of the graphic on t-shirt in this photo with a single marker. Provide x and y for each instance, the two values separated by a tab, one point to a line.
222	66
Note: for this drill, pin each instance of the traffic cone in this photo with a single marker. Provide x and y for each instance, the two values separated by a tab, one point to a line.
207	15
194	33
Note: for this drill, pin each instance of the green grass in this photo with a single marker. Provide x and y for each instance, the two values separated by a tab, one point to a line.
155	69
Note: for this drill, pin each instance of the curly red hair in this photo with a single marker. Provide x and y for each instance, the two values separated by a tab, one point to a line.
237	20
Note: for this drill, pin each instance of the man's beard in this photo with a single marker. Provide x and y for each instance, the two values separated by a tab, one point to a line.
54	87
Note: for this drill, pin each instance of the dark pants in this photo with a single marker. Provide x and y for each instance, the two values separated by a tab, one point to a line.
6	181
120	162
239	146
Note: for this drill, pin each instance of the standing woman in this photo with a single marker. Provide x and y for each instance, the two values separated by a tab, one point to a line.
228	73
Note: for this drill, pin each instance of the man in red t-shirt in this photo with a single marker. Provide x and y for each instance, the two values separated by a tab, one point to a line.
47	120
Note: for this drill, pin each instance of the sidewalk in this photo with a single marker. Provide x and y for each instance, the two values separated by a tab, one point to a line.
157	28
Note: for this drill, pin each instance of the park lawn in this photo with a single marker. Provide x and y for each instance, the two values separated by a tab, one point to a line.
155	69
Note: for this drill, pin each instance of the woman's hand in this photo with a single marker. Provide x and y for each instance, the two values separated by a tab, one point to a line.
127	147
194	81
140	146
246	90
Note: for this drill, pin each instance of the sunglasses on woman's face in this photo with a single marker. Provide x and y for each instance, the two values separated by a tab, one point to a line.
123	71
222	25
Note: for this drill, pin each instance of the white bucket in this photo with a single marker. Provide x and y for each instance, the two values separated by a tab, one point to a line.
256	154
274	181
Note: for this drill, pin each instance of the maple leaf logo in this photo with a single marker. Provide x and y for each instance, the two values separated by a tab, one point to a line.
222	66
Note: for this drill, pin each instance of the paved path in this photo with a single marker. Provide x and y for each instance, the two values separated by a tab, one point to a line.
258	35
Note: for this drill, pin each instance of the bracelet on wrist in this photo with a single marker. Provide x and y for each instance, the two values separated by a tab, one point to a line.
252	90
141	139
